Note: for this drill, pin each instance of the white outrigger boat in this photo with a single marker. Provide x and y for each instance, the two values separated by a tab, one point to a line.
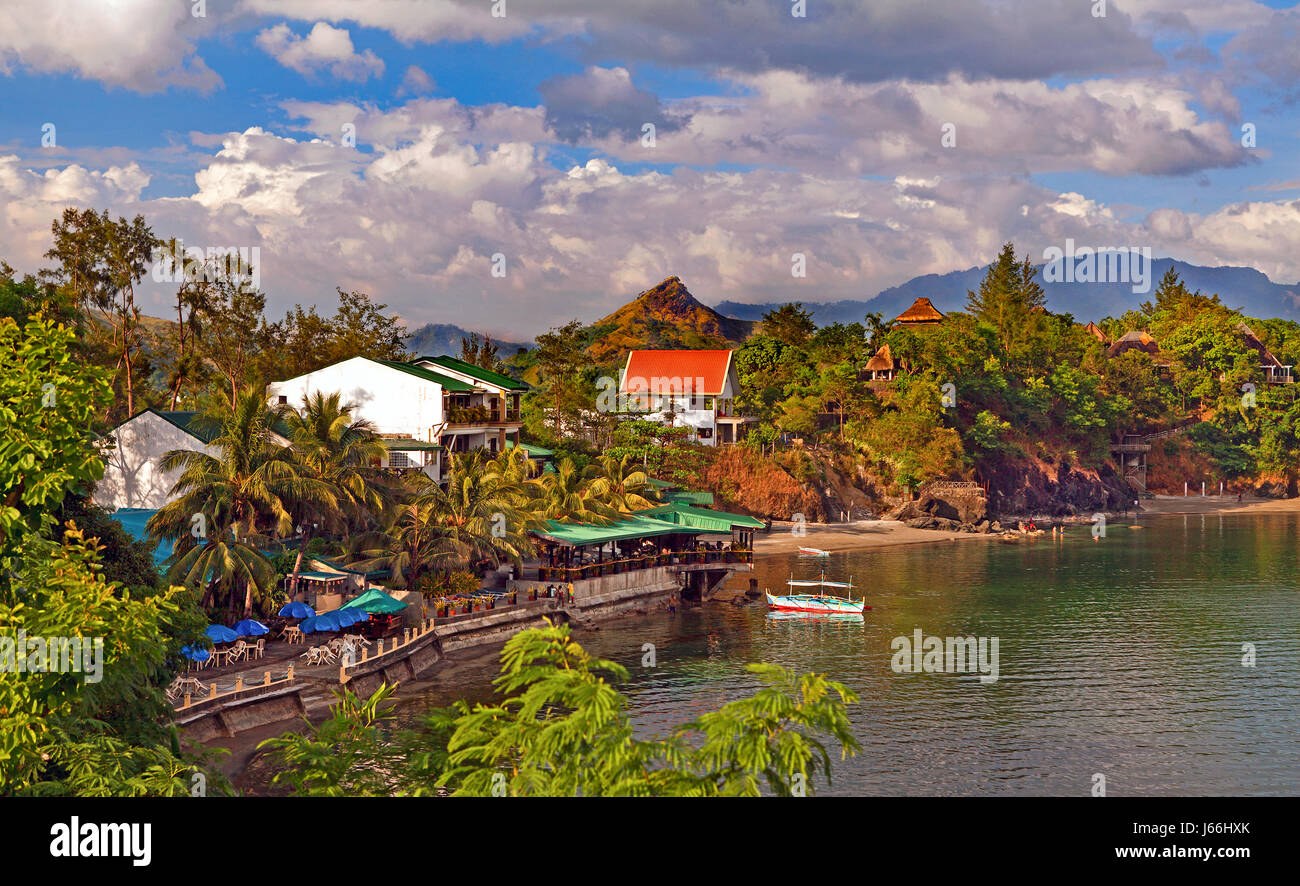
813	552
817	603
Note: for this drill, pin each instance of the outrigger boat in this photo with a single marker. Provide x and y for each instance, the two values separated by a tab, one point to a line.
813	552
819	603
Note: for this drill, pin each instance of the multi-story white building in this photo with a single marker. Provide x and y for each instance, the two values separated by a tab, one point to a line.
692	389
421	408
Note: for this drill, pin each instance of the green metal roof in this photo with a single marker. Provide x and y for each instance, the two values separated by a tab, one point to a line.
700	499
322	576
586	534
487	375
448	384
533	451
181	419
411	445
702	518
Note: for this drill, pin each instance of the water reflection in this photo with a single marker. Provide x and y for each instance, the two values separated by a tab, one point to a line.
1121	656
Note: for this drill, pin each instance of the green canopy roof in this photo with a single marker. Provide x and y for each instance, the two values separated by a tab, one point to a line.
701	499
586	534
448	383
702	518
533	451
478	372
321	576
375	600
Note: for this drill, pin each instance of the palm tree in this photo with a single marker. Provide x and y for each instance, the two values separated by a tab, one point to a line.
483	511
226	502
407	548
328	444
618	486
568	496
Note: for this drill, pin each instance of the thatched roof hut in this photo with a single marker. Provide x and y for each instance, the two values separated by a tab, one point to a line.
1142	341
921	313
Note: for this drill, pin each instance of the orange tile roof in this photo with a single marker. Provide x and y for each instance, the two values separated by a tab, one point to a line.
921	311
676	372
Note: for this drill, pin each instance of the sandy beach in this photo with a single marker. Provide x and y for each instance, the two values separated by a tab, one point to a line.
891	533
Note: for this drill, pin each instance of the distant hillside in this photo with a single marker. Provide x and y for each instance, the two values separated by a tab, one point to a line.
443	339
1244	288
667	316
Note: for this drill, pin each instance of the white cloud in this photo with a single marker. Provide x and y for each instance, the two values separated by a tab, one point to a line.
324	48
141	45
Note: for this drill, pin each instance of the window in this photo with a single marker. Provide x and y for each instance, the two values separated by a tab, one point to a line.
284	401
399	460
705	433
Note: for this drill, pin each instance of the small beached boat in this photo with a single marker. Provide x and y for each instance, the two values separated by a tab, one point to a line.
813	552
819	603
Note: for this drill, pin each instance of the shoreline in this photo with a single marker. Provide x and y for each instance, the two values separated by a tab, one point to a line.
876	534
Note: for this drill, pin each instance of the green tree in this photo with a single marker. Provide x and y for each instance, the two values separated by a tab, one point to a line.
561	728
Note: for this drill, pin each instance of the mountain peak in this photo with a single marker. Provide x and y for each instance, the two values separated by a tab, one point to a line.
665	316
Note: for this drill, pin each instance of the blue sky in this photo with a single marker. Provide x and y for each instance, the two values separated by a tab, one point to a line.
523	136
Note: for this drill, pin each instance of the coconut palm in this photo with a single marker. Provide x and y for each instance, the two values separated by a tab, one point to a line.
410	546
621	487
568	497
330	445
483	513
227	502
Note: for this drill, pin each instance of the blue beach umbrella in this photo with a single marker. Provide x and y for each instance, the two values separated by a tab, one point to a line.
221	634
195	653
297	609
251	627
327	622
348	617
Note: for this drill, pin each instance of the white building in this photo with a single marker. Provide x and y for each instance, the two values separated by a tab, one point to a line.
420	408
132	476
693	389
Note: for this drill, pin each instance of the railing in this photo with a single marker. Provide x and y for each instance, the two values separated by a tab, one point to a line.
648	561
239	687
399	644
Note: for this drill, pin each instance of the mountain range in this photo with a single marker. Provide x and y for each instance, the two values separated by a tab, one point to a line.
443	340
1244	288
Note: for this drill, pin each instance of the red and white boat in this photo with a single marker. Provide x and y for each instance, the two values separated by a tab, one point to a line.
819	603
813	552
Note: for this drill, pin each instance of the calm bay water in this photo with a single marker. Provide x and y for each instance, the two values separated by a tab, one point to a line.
1121	656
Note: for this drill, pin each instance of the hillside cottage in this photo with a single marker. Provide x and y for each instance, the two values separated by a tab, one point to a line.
692	389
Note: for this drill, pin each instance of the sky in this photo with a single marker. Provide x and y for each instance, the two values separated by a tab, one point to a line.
509	165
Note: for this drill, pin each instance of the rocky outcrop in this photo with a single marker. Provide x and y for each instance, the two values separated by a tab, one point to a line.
1037	488
955	503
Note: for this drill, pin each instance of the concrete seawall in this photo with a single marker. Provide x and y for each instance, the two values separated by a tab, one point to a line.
596	598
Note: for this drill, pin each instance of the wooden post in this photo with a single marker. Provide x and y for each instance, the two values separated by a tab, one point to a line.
343	674
289	676
266	678
187	701
239	683
212	693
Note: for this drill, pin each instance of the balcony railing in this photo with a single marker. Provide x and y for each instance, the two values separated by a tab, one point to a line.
617	566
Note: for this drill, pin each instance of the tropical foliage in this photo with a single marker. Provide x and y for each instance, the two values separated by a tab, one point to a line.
560	728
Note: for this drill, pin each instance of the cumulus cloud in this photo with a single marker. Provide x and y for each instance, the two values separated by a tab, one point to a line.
880	40
601	102
145	46
1117	127
324	48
